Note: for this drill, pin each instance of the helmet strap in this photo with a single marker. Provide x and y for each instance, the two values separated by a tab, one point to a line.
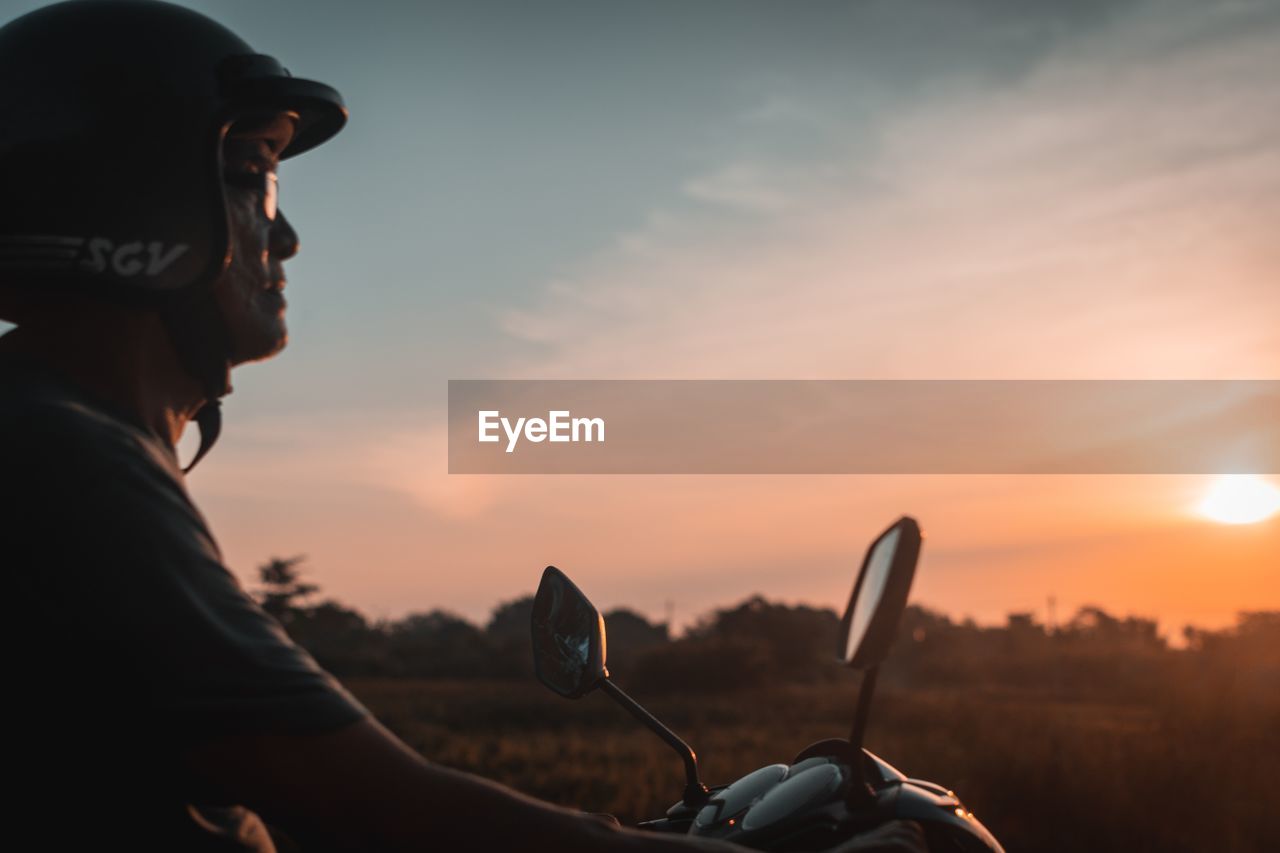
200	338
209	421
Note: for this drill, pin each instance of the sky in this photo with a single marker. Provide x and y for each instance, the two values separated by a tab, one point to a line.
935	189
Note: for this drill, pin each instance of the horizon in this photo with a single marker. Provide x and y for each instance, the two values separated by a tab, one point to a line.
1049	617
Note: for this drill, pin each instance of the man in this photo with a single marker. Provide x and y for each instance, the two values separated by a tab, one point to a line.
141	257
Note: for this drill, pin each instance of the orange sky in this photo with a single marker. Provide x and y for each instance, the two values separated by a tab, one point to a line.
994	544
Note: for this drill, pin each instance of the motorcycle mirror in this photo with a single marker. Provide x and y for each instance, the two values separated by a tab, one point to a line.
869	625
568	637
568	656
880	595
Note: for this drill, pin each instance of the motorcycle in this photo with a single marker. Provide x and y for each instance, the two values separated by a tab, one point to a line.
833	789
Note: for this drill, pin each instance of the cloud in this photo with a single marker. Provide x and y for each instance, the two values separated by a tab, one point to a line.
742	185
1106	214
412	463
364	450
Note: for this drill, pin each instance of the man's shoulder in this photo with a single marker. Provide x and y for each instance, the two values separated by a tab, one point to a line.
47	425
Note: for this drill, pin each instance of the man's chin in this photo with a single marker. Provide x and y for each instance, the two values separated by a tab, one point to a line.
260	348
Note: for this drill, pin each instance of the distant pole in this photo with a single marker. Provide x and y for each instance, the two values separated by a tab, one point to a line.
1053	615
670	609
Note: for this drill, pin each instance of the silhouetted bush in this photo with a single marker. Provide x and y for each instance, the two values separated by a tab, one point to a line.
756	642
437	645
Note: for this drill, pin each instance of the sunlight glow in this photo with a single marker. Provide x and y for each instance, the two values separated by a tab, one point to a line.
1240	499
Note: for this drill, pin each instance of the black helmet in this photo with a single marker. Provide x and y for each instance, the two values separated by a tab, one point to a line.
112	118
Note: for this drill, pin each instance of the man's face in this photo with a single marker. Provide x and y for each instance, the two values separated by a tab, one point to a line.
249	293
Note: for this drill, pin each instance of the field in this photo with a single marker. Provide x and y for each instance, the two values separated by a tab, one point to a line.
1191	772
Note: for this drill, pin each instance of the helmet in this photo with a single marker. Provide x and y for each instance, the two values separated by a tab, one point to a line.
114	114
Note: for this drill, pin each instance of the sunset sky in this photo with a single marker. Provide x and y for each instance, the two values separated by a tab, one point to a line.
936	189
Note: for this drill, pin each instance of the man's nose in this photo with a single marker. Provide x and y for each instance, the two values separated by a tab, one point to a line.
283	242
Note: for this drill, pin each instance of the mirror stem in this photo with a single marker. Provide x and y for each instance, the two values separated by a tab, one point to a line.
695	793
865	693
860	793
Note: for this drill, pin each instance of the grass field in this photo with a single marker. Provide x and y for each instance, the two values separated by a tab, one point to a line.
1191	772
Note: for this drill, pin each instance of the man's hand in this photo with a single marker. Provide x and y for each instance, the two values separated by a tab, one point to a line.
898	836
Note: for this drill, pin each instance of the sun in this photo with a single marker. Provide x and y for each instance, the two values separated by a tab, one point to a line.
1240	499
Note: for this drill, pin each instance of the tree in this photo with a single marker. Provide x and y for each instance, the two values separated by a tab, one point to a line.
439	644
753	643
511	637
631	635
283	589
339	638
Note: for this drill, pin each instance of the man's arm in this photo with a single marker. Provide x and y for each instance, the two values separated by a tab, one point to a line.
361	788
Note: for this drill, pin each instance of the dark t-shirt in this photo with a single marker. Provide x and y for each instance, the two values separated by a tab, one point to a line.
128	639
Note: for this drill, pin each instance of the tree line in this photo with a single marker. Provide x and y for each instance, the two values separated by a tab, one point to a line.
757	642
